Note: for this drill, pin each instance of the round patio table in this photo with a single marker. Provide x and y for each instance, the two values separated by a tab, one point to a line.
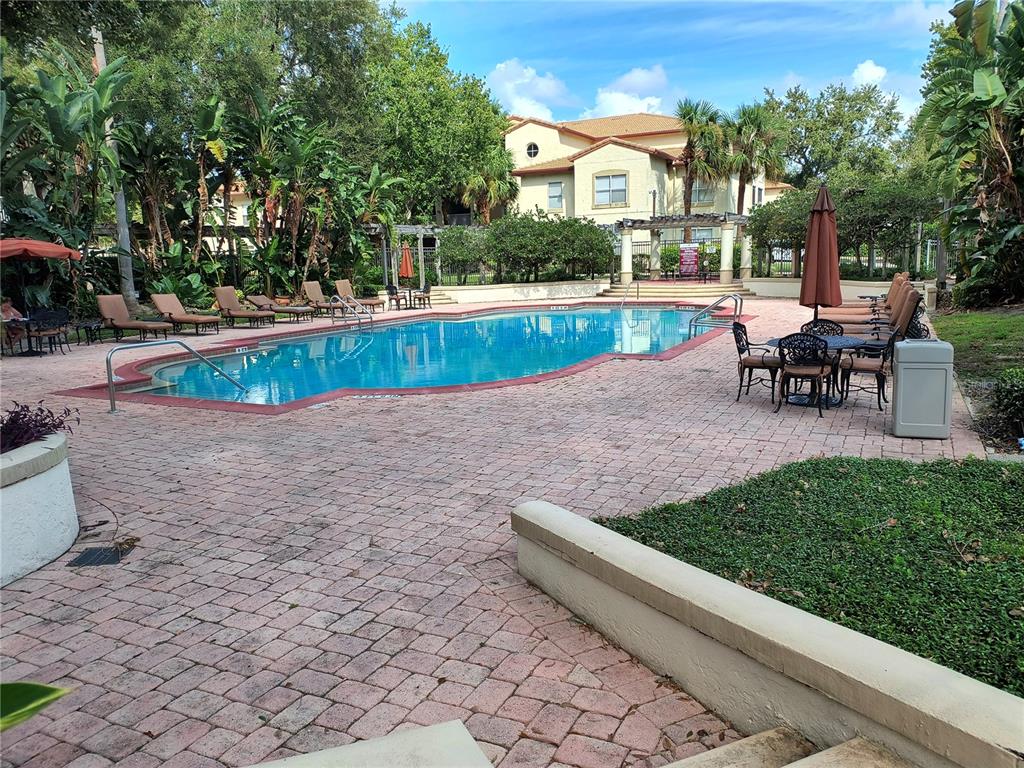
835	344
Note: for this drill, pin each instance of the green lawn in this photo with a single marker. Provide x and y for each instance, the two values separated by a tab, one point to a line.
928	557
984	342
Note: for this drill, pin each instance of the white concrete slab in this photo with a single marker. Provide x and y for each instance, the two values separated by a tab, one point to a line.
445	745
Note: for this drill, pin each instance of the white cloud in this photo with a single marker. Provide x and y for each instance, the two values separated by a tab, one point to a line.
524	91
641	80
639	90
868	73
914	18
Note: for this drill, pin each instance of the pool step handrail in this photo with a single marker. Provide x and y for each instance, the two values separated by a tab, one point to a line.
626	294
161	343
705	317
353	305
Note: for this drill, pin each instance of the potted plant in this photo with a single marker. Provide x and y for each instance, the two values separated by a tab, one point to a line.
38	519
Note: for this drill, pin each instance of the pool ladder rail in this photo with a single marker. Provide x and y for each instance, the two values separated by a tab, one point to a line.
349	304
161	343
705	317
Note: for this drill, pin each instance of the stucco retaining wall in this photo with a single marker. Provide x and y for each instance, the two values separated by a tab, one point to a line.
38	520
789	287
568	289
762	663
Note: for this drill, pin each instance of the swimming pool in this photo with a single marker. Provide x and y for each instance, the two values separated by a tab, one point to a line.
427	354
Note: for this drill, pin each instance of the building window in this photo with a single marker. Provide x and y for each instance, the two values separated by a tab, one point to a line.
555	195
532	150
703	233
760	195
610	190
703	192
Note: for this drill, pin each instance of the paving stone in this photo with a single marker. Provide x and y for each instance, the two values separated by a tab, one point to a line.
384	562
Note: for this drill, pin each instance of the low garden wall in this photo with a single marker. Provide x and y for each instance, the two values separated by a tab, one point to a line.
38	520
789	287
566	289
759	662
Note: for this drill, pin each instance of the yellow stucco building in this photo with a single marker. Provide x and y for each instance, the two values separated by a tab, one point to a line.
613	168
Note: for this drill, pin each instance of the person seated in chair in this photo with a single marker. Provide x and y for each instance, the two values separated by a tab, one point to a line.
15	333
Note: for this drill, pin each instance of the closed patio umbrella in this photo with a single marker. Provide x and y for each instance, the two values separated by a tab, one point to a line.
23	248
406	268
820	283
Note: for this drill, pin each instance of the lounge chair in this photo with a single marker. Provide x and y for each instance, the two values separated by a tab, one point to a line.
297	312
169	305
890	309
897	324
232	310
114	313
344	289
315	295
868	306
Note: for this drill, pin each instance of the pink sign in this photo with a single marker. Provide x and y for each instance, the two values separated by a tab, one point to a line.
688	253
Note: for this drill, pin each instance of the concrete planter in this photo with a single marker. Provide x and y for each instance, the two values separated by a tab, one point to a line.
38	520
759	662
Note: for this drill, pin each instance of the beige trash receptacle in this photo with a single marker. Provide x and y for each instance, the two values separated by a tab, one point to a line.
922	403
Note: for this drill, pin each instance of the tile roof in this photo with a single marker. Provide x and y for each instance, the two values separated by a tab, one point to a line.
566	163
623	125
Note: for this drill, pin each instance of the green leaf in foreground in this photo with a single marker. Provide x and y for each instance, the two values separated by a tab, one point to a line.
19	701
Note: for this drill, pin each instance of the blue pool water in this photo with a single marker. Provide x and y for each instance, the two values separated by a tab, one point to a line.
427	353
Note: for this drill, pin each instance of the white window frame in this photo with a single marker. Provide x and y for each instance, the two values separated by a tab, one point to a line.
560	196
612	190
700	234
703	192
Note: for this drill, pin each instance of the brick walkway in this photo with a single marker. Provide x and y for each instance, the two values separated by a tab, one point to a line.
334	573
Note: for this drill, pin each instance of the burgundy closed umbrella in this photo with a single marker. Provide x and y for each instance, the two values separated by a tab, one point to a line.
819	286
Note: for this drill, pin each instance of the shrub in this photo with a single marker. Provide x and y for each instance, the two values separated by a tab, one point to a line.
461	251
189	289
1008	398
24	424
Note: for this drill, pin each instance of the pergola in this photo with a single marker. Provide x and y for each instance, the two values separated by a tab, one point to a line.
726	222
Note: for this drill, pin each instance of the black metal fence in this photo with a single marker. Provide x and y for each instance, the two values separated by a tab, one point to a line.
777	261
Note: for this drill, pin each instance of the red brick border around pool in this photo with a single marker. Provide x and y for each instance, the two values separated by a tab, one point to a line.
133	374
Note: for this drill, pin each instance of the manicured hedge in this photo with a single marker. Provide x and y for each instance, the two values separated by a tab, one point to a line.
928	557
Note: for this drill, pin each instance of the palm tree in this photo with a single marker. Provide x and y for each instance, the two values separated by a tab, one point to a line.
756	141
491	183
705	155
208	136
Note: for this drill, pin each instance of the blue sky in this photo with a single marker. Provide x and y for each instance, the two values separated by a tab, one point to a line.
567	59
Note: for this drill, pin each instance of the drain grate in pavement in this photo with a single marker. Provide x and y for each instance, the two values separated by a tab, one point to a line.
99	556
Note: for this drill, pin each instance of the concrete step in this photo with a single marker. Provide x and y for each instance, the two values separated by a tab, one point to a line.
855	753
769	749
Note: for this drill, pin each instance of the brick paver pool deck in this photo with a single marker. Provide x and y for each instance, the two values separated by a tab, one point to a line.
329	574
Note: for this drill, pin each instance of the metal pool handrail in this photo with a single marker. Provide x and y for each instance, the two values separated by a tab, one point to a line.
626	294
161	343
705	316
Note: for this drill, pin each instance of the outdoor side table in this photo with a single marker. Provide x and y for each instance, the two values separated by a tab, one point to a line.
91	329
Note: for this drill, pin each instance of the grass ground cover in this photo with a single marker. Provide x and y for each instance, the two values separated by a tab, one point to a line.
928	557
984	342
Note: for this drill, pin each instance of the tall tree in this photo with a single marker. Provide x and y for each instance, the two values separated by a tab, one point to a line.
490	183
837	126
705	155
756	140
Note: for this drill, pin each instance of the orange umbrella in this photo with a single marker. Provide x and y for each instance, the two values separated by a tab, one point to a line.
23	248
406	268
820	283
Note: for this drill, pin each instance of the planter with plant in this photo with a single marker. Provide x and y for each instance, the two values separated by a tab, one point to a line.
38	519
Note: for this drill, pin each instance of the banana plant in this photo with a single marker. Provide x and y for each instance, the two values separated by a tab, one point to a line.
973	114
20	701
207	140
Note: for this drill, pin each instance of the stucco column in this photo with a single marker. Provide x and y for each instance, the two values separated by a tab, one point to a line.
626	257
419	251
655	254
728	232
746	259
